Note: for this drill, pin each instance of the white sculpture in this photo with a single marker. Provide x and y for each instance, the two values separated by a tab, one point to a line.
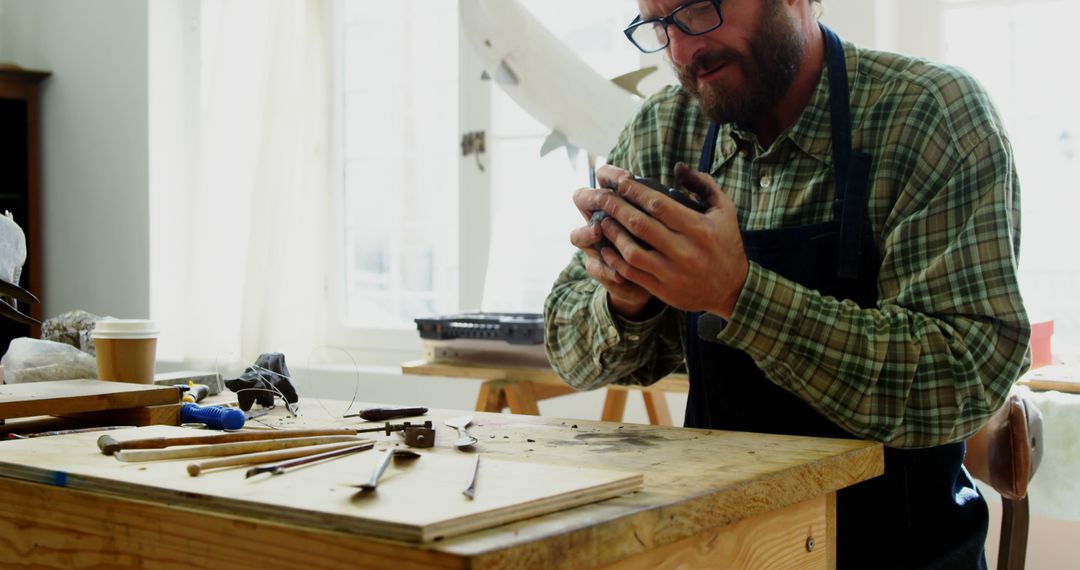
547	79
12	258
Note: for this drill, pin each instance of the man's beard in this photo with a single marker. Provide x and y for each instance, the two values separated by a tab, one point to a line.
775	54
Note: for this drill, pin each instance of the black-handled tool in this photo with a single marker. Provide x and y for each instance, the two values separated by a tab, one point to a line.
383	414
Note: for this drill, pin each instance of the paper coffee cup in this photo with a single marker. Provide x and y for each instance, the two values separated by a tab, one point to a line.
126	350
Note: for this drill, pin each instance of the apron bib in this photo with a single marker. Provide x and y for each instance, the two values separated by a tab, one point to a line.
924	512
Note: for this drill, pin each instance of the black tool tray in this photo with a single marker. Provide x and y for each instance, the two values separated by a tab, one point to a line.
514	328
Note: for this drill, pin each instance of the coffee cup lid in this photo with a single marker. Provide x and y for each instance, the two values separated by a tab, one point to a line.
124	328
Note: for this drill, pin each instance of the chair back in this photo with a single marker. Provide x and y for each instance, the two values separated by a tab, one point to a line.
1007	451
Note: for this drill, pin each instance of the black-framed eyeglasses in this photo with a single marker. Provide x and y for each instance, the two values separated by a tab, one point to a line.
693	18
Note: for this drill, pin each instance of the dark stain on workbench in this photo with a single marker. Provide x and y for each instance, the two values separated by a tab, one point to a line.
619	441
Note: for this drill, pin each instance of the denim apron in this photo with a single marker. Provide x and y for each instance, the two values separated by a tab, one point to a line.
924	512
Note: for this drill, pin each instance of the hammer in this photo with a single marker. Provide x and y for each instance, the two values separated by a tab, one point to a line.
110	445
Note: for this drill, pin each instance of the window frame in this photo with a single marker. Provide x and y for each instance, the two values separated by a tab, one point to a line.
392	345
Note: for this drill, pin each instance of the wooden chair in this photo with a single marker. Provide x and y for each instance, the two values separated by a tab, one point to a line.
1005	454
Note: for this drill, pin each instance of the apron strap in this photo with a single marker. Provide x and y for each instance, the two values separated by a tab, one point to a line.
707	151
851	170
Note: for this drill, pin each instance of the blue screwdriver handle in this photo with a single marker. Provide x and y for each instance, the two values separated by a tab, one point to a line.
215	417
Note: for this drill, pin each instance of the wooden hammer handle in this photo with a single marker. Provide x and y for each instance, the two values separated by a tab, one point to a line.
223	449
194	469
109	444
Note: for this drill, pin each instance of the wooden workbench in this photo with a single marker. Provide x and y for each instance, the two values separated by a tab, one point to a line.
711	498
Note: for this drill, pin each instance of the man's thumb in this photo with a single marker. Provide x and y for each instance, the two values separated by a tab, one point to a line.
699	183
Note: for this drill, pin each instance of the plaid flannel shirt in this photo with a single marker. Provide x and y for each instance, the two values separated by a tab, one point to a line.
949	335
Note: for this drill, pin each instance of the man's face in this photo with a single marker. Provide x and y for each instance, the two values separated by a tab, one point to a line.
743	68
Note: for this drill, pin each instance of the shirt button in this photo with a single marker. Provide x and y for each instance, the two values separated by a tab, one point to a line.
633	337
766	182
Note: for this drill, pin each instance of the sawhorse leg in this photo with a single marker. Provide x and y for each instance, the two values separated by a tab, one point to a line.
655	406
521	397
492	398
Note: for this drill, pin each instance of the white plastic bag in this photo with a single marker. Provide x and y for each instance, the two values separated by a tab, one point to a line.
33	360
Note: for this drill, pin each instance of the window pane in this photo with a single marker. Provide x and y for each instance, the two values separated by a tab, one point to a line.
1022	68
533	216
399	105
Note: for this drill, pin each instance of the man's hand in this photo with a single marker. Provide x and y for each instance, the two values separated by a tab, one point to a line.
625	298
698	262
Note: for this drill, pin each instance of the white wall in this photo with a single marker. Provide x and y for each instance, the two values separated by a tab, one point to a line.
94	157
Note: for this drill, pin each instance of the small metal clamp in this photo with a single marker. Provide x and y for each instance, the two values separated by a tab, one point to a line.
422	435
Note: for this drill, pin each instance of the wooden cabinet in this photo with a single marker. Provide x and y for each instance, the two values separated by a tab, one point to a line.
20	179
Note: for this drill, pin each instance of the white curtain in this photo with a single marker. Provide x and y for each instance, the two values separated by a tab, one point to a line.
247	275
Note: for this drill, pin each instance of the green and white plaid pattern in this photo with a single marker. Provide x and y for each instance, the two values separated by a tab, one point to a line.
949	336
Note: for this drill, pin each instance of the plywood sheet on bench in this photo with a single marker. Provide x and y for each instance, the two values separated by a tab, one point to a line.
71	396
417	501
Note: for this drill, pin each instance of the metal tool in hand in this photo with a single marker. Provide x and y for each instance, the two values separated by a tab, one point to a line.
383	463
279	468
464	439
470	491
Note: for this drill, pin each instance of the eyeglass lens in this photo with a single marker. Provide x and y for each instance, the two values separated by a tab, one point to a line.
693	18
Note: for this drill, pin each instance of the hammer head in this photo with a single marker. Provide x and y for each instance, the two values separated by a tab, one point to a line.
108	444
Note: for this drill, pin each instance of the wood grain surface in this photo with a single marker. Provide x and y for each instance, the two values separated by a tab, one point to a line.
61	397
701	487
421	501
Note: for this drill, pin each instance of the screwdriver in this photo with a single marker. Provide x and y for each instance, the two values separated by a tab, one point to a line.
380	414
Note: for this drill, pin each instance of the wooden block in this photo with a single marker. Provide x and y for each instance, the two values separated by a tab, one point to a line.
166	414
61	397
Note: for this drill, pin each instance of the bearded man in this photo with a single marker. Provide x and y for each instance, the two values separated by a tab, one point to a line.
853	273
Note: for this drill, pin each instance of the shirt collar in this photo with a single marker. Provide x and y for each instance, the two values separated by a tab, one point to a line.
811	132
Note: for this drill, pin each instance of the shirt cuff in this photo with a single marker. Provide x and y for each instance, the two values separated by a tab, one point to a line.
767	310
615	328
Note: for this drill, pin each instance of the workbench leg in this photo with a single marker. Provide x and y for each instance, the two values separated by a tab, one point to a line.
522	398
614	405
492	397
657	408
